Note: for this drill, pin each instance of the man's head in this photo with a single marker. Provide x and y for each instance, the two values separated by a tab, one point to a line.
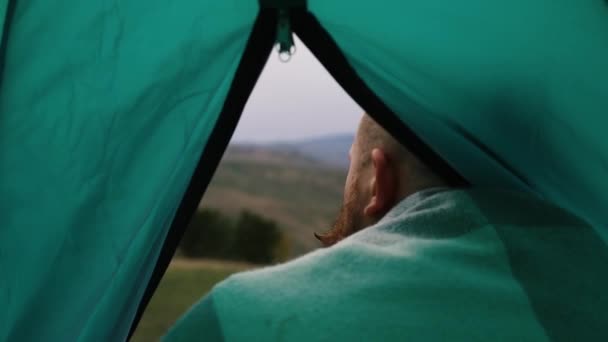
382	172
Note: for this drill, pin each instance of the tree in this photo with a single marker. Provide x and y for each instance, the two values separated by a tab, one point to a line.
256	238
209	234
253	238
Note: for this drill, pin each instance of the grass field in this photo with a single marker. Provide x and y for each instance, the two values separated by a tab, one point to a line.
184	283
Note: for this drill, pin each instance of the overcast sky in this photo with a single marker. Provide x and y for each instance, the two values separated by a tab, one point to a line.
295	100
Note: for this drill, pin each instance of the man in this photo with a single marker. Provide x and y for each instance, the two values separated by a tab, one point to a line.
382	172
412	259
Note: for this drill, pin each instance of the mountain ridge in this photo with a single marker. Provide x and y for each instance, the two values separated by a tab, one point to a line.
330	149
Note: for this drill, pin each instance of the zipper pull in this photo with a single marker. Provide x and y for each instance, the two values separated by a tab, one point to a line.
285	44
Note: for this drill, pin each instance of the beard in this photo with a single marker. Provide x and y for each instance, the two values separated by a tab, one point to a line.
347	222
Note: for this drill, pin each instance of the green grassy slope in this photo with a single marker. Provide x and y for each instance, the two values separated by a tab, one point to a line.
301	194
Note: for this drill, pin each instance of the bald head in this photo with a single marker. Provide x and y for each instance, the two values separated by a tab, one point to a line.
370	136
382	172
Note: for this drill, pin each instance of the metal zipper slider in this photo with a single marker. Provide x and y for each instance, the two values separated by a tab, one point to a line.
285	44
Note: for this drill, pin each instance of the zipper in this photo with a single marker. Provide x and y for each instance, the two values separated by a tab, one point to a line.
284	41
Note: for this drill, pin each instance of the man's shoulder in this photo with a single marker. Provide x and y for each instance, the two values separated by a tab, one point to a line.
488	269
443	215
451	218
357	289
277	280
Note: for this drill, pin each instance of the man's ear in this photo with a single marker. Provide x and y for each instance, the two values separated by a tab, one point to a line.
383	184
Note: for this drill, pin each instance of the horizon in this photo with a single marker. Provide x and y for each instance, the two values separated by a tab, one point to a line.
323	136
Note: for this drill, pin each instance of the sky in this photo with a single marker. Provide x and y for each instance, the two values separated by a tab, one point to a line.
296	100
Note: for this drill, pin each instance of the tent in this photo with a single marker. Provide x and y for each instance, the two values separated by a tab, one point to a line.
114	115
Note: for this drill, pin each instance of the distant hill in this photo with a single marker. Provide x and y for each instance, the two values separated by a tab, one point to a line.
331	150
293	183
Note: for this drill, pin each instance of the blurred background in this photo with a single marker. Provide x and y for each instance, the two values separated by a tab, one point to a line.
280	180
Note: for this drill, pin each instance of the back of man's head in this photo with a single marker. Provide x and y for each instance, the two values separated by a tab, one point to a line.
372	136
382	172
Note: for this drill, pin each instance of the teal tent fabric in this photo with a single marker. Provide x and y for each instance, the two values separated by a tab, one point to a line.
510	93
106	106
3	11
104	111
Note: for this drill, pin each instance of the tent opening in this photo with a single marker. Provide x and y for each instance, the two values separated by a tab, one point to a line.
280	180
